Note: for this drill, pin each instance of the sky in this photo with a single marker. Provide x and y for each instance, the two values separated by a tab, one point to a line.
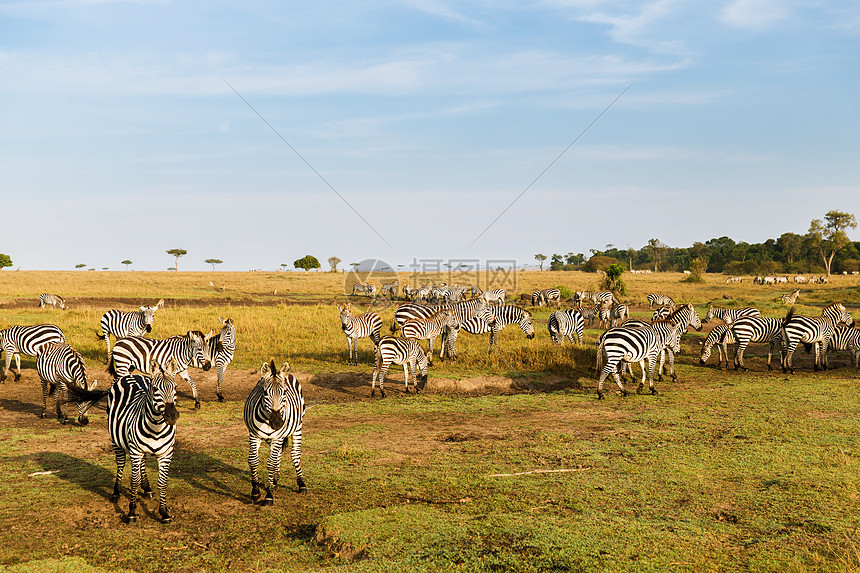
417	130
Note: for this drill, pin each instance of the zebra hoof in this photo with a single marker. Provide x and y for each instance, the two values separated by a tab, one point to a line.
197	405
268	501
220	398
165	517
639	389
653	391
303	489
131	519
674	378
382	394
83	421
17	377
599	395
660	378
147	495
625	393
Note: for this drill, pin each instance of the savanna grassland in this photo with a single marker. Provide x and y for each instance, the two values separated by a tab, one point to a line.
505	462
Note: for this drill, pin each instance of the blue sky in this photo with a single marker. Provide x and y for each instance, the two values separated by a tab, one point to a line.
119	137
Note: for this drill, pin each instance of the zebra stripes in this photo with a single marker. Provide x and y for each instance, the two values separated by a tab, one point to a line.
496	295
435	325
366	289
502	316
121	324
754	329
53	299
219	350
463	311
655	299
273	414
789	298
136	352
636	345
60	366
610	315
596	297
817	331
721	336
845	338
729	315
566	323
405	351
545	296
19	340
359	326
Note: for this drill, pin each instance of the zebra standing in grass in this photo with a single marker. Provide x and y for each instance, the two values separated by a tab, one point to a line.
729	315
367	289
463	311
365	325
636	345
219	350
589	313
138	353
496	295
27	340
543	297
53	299
721	336
441	322
502	316
405	351
618	313
122	324
660	300
566	323
812	330
60	366
754	329
845	338
789	298
273	414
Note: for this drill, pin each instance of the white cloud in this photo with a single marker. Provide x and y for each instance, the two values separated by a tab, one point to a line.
755	14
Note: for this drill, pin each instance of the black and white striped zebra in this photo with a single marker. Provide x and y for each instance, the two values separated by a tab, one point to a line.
611	315
655	299
137	353
60	366
720	336
405	351
845	338
18	340
366	289
121	324
367	325
545	296
496	295
463	311
755	329
502	316
589	313
566	323
54	300
729	315
636	345
390	289
661	312
273	414
441	322
812	330
219	350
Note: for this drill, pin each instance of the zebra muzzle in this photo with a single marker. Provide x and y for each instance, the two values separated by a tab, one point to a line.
171	414
276	420
207	366
149	328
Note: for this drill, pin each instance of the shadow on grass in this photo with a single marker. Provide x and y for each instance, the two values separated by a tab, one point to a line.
83	474
202	471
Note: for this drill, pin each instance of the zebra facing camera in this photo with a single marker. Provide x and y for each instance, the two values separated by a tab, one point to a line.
373	279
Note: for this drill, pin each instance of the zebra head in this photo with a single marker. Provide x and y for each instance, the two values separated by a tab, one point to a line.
274	384
161	391
344	315
148	315
710	314
525	322
199	344
421	365
695	321
227	336
839	314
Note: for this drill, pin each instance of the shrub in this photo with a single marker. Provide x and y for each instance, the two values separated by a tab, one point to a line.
599	263
566	293
697	268
613	281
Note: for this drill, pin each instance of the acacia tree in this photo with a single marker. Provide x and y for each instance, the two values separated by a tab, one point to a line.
829	236
540	258
658	249
176	253
333	261
307	262
80	265
5	261
213	262
126	263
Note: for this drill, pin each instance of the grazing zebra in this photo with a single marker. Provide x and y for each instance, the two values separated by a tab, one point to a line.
845	338
273	414
53	299
581	296
729	315
367	289
496	295
543	297
503	316
60	366
19	340
618	313
754	329
430	328
122	324
566	323
405	351
636	345
655	299
589	313
789	298
390	289
716	337
138	353
817	331
359	326
684	317
475	290
734	280
219	350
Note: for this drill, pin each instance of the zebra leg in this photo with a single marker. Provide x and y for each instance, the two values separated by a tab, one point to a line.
253	464
641	382
17	366
430	342
119	454
107	343
220	370
739	355
296	457
789	353
380	377
60	393
671	354
274	467
163	470
44	413
651	361
187	377
349	348
136	461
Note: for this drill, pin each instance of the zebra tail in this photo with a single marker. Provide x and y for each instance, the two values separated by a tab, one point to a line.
394	326
77	394
788	317
111	368
101	335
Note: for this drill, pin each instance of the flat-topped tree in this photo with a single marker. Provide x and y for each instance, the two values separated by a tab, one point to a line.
213	262
176	253
126	263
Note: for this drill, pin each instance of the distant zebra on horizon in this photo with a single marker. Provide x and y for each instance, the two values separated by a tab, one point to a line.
53	299
122	324
18	340
273	414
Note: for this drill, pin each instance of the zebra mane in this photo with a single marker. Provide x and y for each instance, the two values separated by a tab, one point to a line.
675	312
788	316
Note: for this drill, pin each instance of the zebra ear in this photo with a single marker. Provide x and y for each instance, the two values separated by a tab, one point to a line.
285	368
207	336
222	321
160	303
143	308
153	366
264	369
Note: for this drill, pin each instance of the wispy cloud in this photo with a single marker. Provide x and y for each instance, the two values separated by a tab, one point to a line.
755	14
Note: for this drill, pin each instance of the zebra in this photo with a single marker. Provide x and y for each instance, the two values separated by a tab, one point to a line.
789	298
463	311
636	345
845	338
359	326
475	290
729	315
53	299
390	289
716	337
136	352
497	295
655	299
367	289
754	329
589	313
273	414
661	312
405	351
430	328
817	331
618	313
734	280
219	350
60	366
566	323
18	340
122	324
503	316
543	297
581	296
